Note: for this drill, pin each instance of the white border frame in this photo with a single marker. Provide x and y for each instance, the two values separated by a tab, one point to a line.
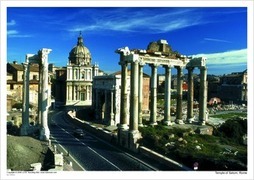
124	175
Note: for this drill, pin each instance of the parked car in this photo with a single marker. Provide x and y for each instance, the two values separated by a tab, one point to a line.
79	133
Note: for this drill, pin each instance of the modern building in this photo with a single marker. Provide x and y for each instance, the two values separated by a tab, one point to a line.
107	97
79	76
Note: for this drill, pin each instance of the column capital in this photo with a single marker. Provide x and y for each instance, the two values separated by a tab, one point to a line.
179	67
25	64
203	68
123	63
141	63
154	65
136	61
168	66
190	68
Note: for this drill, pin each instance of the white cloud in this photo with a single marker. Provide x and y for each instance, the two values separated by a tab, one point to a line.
12	32
145	21
217	40
16	34
11	23
223	58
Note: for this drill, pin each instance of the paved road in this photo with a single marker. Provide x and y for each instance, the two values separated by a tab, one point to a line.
92	153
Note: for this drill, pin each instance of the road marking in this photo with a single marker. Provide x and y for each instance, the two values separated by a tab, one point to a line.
102	157
66	150
127	154
87	147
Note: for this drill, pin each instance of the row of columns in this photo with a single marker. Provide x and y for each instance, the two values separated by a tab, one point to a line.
136	95
106	113
43	93
79	74
74	93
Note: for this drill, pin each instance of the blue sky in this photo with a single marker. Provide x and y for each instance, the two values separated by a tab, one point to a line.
218	33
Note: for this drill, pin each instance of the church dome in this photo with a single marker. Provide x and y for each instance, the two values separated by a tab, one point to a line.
80	54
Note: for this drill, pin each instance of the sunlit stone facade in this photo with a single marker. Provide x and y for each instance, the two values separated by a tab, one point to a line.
80	73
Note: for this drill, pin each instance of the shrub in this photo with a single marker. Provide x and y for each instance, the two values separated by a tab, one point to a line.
234	129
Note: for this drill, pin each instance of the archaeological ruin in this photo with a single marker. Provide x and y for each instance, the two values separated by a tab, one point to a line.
157	54
44	93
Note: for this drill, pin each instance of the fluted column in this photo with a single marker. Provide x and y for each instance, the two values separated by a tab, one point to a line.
72	92
78	93
179	99
140	94
167	117
203	95
134	97
96	94
39	95
112	114
45	94
124	96
25	101
67	93
190	116
153	105
106	105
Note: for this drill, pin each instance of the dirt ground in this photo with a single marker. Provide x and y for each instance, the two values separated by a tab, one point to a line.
23	151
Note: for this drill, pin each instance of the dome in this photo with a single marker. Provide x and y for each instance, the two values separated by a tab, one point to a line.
80	54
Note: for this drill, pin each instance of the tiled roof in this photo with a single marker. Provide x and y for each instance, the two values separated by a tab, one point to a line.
19	67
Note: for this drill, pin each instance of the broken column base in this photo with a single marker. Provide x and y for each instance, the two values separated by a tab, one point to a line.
202	122
123	135
134	136
36	166
44	134
190	120
153	123
179	121
168	123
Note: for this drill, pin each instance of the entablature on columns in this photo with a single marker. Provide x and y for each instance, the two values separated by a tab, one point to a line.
41	57
143	58
196	62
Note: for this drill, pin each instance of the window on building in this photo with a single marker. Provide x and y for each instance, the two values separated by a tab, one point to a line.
35	77
82	96
11	86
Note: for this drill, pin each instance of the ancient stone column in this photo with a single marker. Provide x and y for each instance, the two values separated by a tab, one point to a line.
124	96
167	117
203	95
140	94
106	105
39	94
112	115
134	96
25	101
190	117
67	92
179	100
44	134
153	106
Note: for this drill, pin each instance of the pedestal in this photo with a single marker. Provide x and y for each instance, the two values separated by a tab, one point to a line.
24	130
168	123
123	135
44	134
190	120
134	136
179	121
